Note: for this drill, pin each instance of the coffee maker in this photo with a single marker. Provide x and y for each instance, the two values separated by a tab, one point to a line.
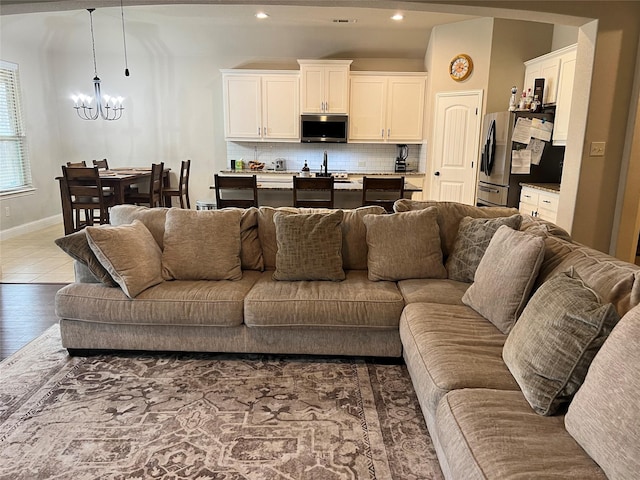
401	159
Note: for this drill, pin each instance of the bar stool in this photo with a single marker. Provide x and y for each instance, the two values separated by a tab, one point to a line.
314	192
382	191
243	191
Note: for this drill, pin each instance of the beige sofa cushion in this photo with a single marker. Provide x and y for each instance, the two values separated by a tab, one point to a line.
354	243
154	219
180	302
555	339
76	246
613	280
603	417
355	302
494	434
429	290
505	277
202	245
448	347
404	245
129	253
309	246
542	228
450	214
474	235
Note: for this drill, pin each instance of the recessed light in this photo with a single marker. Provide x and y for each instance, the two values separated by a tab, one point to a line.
397	17
262	15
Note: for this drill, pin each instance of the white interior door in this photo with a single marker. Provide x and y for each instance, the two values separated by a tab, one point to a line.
456	139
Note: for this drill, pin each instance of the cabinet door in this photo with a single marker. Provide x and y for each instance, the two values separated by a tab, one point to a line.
367	109
242	106
405	109
312	88
546	68
565	94
336	89
280	107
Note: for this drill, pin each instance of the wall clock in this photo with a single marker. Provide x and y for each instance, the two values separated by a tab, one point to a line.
460	67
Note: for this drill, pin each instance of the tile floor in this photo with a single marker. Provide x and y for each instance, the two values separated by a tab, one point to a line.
34	258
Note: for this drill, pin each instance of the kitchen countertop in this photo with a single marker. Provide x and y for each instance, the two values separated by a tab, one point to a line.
339	185
547	187
342	172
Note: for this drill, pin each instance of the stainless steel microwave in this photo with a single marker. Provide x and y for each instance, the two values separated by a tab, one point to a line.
324	128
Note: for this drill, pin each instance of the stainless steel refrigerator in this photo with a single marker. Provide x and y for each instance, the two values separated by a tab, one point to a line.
497	185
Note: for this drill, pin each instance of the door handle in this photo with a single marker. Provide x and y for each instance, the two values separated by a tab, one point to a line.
482	188
437	174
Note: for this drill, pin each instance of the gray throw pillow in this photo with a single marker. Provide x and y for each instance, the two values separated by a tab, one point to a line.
309	246
550	348
474	235
76	246
505	277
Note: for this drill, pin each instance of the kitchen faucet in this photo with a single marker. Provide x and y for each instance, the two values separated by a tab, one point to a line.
325	164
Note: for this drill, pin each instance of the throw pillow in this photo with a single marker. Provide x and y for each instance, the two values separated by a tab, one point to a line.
555	339
153	218
474	235
505	276
404	245
603	417
77	247
129	253
309	246
202	245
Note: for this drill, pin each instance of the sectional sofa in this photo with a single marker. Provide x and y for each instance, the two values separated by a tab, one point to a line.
498	316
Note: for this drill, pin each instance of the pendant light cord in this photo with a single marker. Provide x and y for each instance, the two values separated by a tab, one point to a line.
93	42
124	41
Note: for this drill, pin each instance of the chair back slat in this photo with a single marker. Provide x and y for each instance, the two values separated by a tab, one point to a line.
314	192
382	191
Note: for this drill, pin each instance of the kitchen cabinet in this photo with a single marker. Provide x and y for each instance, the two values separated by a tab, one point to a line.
539	203
386	108
261	106
558	70
324	86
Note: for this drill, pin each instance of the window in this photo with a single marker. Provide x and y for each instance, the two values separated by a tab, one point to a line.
15	172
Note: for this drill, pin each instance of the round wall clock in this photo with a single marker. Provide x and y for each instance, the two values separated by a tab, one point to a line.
460	67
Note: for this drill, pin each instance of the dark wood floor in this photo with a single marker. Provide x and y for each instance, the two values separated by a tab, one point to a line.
27	310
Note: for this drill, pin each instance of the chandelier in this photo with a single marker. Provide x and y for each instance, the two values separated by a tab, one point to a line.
106	107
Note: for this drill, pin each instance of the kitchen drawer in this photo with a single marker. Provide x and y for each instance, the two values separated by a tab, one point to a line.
548	215
528	195
548	201
528	209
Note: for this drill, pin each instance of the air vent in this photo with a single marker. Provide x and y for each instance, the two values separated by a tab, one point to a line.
344	20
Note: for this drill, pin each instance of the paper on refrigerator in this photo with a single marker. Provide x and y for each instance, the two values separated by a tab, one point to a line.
521	162
537	147
522	131
541	129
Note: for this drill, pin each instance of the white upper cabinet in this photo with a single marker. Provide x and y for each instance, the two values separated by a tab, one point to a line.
386	108
261	106
558	70
324	86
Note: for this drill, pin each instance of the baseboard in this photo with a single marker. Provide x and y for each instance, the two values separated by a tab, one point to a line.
31	227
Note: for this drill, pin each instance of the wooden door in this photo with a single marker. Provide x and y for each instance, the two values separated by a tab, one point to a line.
456	138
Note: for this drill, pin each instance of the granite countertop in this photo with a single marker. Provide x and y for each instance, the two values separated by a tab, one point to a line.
547	187
297	172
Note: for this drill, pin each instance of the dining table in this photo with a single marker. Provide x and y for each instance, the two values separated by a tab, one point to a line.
118	180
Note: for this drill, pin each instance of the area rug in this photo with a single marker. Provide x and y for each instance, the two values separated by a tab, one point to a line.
207	417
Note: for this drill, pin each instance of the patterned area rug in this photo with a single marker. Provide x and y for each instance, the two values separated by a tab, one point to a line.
207	417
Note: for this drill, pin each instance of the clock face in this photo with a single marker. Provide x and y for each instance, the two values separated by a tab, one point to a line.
460	67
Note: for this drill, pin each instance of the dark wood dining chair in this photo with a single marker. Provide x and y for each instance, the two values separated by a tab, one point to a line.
153	195
101	164
314	192
240	191
383	191
85	198
182	190
81	164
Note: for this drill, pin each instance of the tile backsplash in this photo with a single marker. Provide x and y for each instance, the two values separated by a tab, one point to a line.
349	157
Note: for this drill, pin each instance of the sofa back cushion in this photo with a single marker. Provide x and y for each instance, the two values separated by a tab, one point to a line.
614	281
354	243
202	245
450	214
603	416
155	219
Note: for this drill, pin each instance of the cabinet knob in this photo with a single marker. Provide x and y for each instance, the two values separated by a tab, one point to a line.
437	174
382	133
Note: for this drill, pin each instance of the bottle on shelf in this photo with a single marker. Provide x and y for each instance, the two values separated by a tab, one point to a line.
523	101
305	170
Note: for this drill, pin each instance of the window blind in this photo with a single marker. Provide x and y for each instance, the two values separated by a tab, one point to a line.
15	172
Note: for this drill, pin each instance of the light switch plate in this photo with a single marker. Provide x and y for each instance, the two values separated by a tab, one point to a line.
597	149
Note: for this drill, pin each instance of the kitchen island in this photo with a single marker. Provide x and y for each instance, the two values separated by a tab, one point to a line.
275	187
